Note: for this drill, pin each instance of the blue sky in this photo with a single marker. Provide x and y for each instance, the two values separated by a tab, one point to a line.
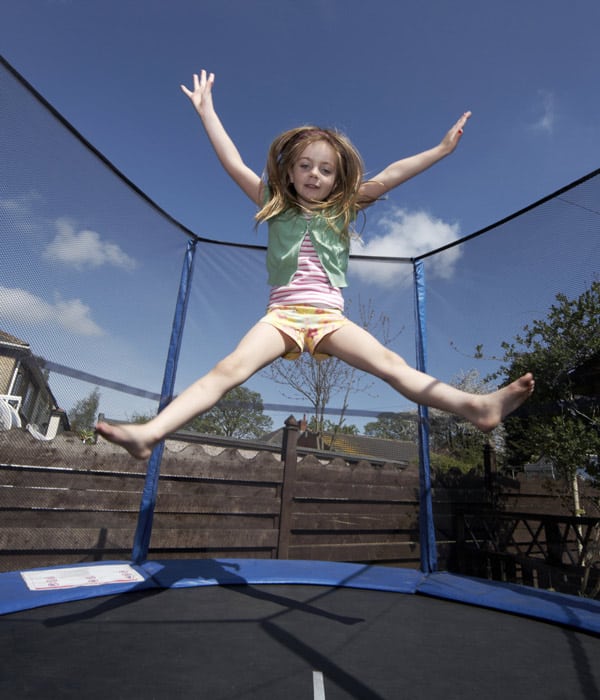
392	75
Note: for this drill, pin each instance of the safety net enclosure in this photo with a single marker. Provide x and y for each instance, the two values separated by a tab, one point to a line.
109	305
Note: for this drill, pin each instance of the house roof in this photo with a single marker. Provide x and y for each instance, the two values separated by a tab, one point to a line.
360	446
23	352
8	339
390	450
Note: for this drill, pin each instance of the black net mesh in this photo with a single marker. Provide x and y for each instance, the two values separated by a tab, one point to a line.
89	275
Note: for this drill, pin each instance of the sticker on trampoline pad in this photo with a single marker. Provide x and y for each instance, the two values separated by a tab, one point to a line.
53	579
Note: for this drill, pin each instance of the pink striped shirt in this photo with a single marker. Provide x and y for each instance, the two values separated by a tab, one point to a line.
310	285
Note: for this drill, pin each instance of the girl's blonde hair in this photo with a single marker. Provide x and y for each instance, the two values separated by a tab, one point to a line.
341	205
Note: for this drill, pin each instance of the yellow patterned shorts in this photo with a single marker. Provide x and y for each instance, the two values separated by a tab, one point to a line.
306	326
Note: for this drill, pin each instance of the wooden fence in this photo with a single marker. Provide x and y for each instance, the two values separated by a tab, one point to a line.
545	551
64	502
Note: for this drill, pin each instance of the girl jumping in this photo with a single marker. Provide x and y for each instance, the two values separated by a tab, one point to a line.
312	191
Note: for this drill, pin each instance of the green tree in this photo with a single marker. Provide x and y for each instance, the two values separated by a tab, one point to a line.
557	422
331	427
137	417
454	441
239	414
83	415
394	426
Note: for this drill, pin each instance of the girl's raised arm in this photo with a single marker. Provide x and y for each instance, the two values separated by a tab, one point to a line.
228	154
400	171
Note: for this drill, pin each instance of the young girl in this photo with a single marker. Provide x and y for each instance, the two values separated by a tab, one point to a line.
312	192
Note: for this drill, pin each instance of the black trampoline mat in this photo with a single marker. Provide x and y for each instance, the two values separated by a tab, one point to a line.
267	642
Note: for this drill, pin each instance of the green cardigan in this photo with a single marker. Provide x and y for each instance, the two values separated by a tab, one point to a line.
286	233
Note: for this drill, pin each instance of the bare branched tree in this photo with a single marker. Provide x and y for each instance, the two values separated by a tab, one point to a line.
320	382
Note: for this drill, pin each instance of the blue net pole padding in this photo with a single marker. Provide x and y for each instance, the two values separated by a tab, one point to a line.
143	532
426	523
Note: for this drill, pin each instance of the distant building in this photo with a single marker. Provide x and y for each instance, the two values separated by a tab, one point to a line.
357	447
393	451
25	397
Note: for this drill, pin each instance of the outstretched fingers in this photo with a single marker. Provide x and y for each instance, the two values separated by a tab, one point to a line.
460	124
202	87
453	136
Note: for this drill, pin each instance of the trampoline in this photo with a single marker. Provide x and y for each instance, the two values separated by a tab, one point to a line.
290	629
267	628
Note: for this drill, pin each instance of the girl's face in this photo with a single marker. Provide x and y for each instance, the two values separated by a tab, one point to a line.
314	173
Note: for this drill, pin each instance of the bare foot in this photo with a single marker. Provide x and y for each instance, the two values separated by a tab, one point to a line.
496	406
130	437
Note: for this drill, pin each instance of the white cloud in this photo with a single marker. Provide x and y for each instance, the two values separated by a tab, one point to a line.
21	211
73	315
85	249
548	108
407	235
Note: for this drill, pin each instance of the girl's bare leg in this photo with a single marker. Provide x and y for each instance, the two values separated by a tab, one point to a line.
258	348
357	347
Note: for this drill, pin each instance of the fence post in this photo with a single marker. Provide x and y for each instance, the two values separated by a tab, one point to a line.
460	545
289	455
489	466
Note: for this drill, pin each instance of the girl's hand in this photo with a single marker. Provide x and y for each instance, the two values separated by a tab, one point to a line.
451	139
201	95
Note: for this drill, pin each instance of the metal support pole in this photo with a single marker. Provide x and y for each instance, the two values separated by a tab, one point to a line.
141	542
426	522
